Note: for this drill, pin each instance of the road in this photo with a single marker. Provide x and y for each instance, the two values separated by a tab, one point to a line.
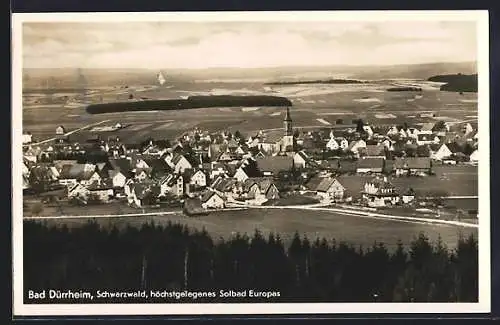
368	214
66	134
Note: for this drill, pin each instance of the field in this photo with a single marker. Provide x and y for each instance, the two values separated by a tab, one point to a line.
313	224
313	106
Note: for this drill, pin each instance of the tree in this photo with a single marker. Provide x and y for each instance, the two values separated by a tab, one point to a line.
423	151
410	152
359	126
439	126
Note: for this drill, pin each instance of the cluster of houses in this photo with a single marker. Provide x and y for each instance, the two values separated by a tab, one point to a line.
220	168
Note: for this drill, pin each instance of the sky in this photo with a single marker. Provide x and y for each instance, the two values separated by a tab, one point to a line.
199	45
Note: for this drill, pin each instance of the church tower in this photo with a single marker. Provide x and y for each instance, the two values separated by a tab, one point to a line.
288	141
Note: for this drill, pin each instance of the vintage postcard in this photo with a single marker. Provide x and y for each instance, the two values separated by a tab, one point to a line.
251	163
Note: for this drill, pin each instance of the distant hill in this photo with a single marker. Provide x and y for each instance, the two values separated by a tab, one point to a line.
71	78
457	82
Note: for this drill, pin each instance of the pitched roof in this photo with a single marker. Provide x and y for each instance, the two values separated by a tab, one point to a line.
123	165
251	168
372	163
157	164
325	184
272	136
347	166
275	164
207	195
224	184
412	163
141	190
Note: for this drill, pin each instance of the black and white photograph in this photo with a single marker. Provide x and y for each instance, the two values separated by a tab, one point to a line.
251	163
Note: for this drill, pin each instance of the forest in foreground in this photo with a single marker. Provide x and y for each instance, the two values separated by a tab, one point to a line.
173	257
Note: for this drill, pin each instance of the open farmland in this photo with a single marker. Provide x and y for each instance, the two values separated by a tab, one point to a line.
313	105
355	230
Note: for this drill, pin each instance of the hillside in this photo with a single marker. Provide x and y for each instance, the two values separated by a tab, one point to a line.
457	82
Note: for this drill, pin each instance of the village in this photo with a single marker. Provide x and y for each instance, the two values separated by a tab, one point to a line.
203	171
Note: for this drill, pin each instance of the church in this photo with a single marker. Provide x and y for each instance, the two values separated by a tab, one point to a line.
279	143
288	141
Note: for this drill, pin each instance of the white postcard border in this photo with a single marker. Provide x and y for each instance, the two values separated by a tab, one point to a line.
484	304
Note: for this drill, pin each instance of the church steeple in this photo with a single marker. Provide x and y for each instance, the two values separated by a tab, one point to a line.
287	122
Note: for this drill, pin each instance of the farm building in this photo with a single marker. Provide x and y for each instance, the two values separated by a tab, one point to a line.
412	166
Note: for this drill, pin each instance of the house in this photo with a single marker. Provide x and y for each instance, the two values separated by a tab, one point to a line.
173	184
227	187
60	130
393	130
196	177
142	174
217	169
412	166
260	189
427	138
270	166
467	129
373	151
332	143
101	193
27	138
368	130
413	132
142	194
328	188
78	191
442	153
180	164
356	146
247	169
343	143
370	165
118	179
271	142
212	200
301	160
379	193
85	174
408	196
474	157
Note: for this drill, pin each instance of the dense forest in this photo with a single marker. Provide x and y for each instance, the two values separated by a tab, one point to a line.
404	89
171	257
325	81
457	82
189	103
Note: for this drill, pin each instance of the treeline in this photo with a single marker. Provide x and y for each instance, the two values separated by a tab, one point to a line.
172	257
326	81
457	82
404	89
189	103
